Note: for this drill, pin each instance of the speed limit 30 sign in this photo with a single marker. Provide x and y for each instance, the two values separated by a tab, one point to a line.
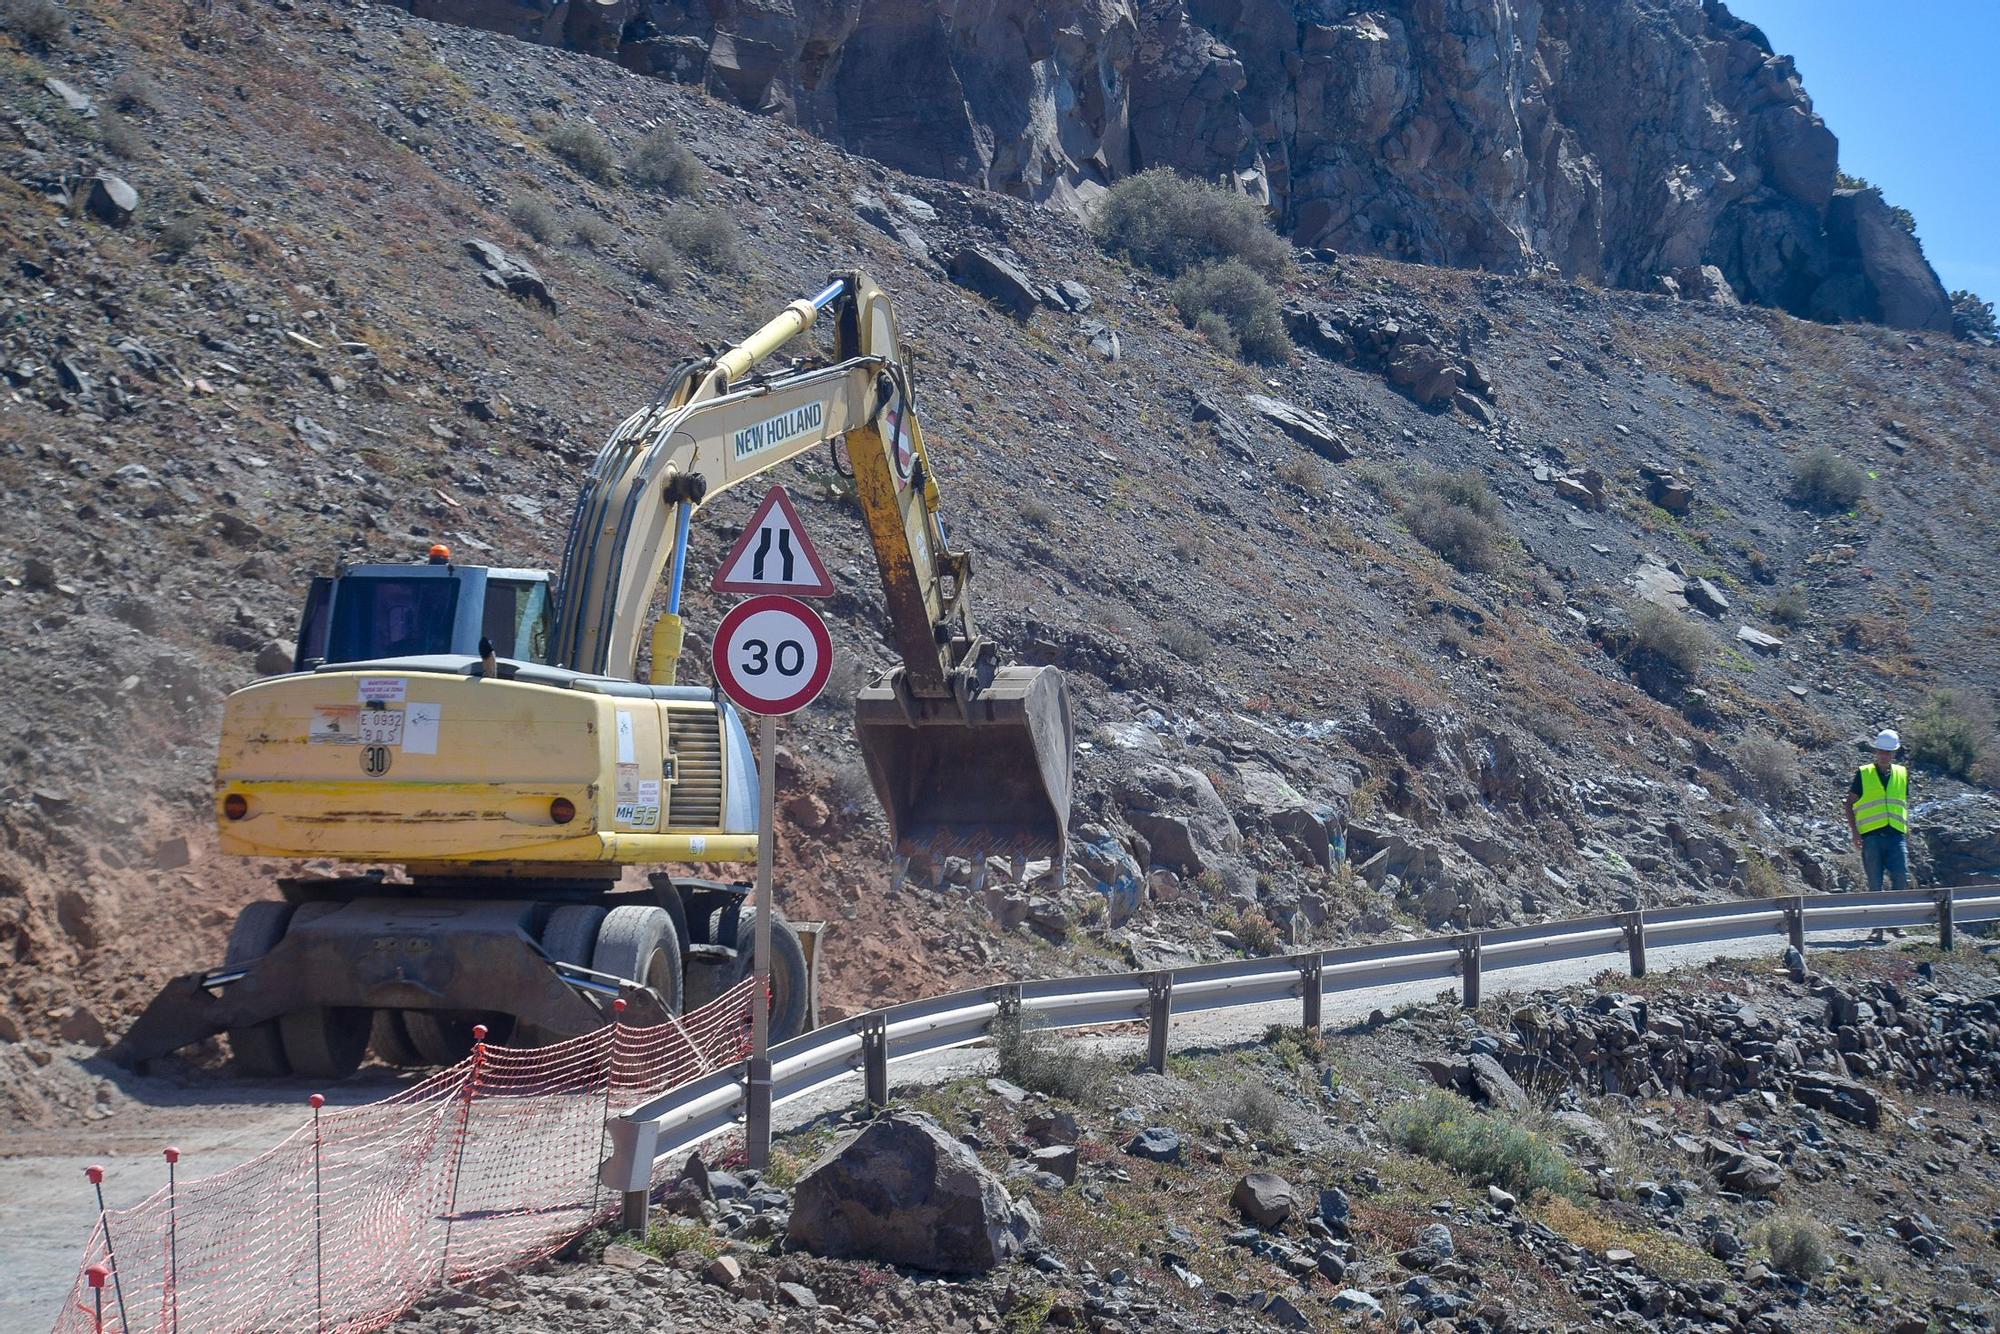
772	654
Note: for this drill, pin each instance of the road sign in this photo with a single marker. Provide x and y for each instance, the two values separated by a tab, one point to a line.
774	555
772	654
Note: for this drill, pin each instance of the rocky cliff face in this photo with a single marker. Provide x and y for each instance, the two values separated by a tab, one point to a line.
1630	142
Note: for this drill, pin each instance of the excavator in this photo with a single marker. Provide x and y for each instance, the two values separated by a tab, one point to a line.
477	746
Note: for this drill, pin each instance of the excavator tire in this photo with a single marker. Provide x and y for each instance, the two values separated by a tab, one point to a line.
390	1041
788	972
640	944
568	936
446	1039
257	1050
326	1042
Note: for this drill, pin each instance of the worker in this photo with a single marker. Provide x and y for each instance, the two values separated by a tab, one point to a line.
1878	814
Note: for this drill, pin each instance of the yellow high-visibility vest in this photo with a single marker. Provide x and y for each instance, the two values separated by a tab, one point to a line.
1883	806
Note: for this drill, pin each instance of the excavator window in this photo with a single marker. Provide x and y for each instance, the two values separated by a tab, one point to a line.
517	618
380	617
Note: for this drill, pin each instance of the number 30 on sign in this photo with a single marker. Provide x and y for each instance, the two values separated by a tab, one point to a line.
772	654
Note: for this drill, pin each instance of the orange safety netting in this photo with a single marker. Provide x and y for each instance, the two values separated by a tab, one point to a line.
360	1212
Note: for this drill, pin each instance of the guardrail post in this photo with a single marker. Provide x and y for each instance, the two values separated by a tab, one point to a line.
1309	974
1947	930
1160	1002
1795	923
1468	968
1633	924
875	1060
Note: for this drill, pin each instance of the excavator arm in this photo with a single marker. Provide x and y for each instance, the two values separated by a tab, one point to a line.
969	757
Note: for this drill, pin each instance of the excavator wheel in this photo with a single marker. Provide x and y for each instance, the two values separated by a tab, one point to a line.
257	1050
788	972
569	936
640	943
325	1042
446	1039
390	1041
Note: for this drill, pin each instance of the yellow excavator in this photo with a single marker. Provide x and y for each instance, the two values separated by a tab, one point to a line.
487	730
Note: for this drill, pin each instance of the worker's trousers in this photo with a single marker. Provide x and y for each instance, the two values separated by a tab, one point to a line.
1885	852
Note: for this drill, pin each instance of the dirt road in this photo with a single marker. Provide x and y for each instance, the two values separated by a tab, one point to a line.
47	1209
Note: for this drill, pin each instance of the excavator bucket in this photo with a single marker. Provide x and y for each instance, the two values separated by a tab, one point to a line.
991	779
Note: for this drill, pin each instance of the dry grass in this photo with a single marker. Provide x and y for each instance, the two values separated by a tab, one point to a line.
1596	1231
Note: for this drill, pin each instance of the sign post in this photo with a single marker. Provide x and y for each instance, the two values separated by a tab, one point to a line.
772	656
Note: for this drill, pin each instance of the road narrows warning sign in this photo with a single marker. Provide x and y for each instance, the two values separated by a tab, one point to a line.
772	654
774	555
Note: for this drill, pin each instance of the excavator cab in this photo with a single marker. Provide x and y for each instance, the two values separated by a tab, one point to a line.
371	612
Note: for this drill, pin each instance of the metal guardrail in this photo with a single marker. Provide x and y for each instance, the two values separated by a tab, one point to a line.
866	1044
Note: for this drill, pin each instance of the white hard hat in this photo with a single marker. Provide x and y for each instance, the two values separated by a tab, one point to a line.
1888	740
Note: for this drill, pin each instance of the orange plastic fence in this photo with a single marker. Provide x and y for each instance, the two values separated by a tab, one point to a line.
347	1222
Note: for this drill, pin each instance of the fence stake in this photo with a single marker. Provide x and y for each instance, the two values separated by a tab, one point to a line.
458	1161
875	1060
1633	924
1947	930
97	1274
96	1174
1160	1000
1309	974
1795	923
317	1101
610	1079
173	1244
1468	968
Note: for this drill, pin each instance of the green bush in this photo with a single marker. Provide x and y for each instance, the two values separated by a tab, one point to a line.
662	162
1824	481
536	218
1170	224
181	233
1185	642
1952	733
1971	317
1490	1148
1212	326
658	260
669	1239
705	235
1456	515
1254	1107
1670	637
586	150
134	93
1789	607
1041	1063
1233	292
593	232
1796	1246
119	137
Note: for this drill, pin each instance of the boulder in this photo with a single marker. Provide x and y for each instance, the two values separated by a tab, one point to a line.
111	199
902	1191
1178	812
1963	836
1264	1198
1314	434
1057	1160
1670	493
1054	1126
1156	1144
1706	598
997	279
1756	640
275	658
1270	800
1880	272
1844	1098
1425	374
510	273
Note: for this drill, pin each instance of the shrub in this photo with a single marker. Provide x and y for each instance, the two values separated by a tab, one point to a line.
119	137
1796	1245
662	162
181	233
1670	637
584	149
1242	300
1789	607
536	218
1215	329
1952	733
658	260
1040	1063
1490	1148
1771	765
1460	536
1185	642
1254	1107
1170	224
1256	932
1971	317
593	232
706	235
1034	513
669	1239
132	92
1306	473
1824	481
41	21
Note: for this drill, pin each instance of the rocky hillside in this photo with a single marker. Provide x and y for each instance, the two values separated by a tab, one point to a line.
1695	1156
1626	142
244	336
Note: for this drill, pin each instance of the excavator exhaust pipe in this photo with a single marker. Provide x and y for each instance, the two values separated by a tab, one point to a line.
989	776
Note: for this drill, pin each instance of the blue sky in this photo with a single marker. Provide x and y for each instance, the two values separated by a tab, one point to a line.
1910	90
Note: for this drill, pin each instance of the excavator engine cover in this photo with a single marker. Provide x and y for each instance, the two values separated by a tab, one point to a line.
991	778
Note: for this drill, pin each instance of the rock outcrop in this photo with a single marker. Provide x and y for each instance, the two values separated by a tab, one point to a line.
1653	144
